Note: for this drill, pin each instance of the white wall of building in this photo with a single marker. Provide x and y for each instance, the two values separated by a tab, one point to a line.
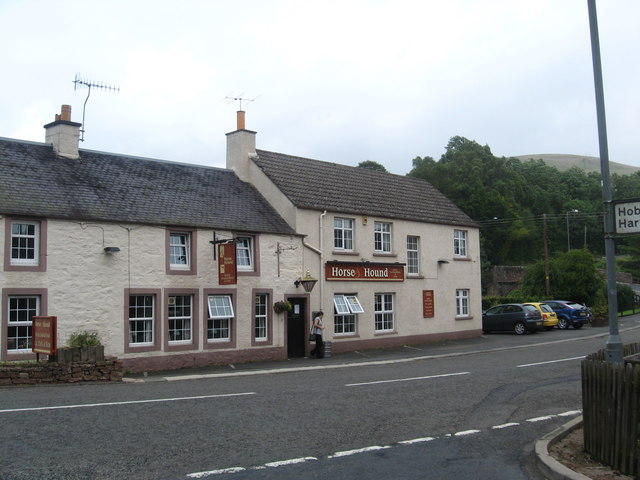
436	244
86	286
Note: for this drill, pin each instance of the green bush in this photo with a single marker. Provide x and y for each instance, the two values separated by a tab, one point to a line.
84	339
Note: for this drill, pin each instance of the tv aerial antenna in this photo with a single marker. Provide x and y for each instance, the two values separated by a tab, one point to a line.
240	99
79	83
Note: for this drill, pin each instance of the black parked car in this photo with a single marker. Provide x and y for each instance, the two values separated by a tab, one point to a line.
515	317
569	313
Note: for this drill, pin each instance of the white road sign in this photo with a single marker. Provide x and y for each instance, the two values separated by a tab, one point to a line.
627	217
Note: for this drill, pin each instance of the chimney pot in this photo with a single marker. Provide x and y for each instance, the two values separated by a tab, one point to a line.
240	120
66	113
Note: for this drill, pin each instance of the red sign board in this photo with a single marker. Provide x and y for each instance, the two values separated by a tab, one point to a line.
227	271
44	334
428	308
371	272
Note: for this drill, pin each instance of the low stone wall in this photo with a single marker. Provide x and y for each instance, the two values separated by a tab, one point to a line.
28	373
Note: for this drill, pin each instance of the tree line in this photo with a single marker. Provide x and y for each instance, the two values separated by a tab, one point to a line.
518	203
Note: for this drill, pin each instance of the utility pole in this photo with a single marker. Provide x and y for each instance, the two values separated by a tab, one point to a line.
547	284
614	347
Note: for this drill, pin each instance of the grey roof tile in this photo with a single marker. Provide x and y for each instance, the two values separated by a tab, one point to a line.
119	188
318	185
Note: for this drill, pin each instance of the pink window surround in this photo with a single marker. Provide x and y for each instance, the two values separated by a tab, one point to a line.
269	293
156	292
233	324
256	256
10	292
193	248
42	246
195	319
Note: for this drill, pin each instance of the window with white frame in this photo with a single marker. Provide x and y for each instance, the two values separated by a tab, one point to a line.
382	237
261	330
346	308
462	303
343	234
141	319
25	242
460	243
383	311
413	255
244	254
22	309
179	251
220	317
180	318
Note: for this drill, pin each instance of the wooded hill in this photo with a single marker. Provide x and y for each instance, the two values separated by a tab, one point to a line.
589	164
512	199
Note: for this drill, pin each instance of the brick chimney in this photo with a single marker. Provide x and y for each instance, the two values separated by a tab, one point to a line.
64	134
240	145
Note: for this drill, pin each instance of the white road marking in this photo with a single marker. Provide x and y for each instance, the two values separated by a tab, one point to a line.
551	361
417	440
504	425
466	432
540	419
222	471
406	379
131	402
293	461
347	453
570	413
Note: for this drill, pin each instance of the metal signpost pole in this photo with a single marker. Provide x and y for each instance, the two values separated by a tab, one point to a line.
614	347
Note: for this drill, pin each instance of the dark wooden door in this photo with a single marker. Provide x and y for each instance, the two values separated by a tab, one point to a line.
296	328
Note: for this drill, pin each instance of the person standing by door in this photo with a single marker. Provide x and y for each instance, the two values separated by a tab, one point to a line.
316	330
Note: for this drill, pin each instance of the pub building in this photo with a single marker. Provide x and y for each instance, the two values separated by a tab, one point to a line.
396	261
175	265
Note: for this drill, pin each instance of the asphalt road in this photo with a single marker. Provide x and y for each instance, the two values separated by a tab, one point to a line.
469	409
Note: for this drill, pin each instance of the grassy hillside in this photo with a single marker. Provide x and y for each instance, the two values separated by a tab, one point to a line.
588	164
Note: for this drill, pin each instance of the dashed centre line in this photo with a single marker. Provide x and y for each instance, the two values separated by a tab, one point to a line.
411	379
130	402
374	448
551	361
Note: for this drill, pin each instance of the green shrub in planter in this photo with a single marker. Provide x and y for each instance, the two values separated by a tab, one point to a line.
84	339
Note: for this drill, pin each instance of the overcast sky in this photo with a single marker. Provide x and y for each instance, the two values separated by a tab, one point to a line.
342	81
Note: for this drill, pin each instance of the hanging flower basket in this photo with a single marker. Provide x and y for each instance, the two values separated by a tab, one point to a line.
280	307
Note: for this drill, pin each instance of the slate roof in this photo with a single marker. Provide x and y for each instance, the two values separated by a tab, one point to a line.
118	188
318	185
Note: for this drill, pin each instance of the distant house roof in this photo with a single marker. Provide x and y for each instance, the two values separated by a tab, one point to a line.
318	185
118	188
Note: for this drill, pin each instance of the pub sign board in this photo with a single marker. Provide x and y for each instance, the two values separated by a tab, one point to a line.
627	216
227	269
368	272
44	331
428	307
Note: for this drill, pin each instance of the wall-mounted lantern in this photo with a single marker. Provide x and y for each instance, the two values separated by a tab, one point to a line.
307	282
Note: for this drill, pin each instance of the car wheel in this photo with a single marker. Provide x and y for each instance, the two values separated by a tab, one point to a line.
577	326
520	328
563	324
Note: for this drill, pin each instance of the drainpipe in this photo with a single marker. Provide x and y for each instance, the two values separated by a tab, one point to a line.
320	279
